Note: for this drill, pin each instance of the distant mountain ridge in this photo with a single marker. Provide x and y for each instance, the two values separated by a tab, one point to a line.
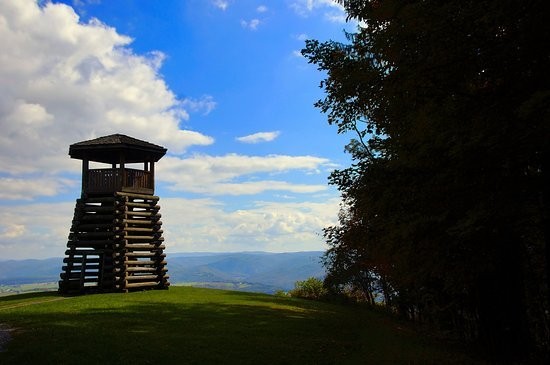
251	271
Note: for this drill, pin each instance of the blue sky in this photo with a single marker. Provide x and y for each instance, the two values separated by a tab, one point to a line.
220	83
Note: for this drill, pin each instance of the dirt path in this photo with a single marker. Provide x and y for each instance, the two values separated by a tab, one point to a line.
5	335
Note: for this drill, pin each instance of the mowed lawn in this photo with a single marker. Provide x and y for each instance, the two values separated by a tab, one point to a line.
185	325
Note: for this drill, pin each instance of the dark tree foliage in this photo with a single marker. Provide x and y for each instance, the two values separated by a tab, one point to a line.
446	204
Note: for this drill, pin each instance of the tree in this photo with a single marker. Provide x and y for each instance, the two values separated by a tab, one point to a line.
446	204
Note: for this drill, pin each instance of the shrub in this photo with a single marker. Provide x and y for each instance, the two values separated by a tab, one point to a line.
311	288
281	293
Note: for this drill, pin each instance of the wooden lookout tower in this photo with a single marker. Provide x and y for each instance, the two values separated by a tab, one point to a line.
115	242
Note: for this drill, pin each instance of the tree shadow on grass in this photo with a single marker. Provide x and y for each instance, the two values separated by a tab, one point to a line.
219	328
166	333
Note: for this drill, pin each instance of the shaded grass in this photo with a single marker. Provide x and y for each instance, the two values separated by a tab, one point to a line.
187	325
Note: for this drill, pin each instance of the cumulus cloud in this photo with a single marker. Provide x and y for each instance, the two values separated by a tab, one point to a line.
40	230
262	9
35	230
28	189
64	81
266	226
218	175
259	137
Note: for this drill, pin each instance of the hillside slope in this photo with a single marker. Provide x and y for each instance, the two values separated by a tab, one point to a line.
199	326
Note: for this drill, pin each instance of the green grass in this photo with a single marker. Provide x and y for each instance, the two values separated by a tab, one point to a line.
186	325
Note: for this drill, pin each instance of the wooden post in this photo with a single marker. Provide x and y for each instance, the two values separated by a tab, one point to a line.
85	168
152	176
83	272
122	172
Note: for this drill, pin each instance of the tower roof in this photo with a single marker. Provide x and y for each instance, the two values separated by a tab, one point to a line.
109	149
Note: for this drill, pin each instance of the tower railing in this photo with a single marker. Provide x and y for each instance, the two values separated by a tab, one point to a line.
112	180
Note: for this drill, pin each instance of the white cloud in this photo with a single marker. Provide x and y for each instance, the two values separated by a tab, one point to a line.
259	137
34	230
64	81
234	174
221	4
80	5
205	225
262	9
28	189
257	187
205	104
332	11
11	231
251	24
302	37
336	17
41	230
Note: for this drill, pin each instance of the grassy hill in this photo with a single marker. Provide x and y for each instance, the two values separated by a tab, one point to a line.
187	325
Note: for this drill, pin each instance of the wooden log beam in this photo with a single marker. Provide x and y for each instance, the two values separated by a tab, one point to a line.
147	222
103	199
87	252
91	227
137	196
90	243
143	214
96	268
151	205
140	269
155	237
142	277
143	246
144	229
87	278
78	260
90	235
79	267
145	262
97	217
145	254
145	269
98	209
143	238
141	285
